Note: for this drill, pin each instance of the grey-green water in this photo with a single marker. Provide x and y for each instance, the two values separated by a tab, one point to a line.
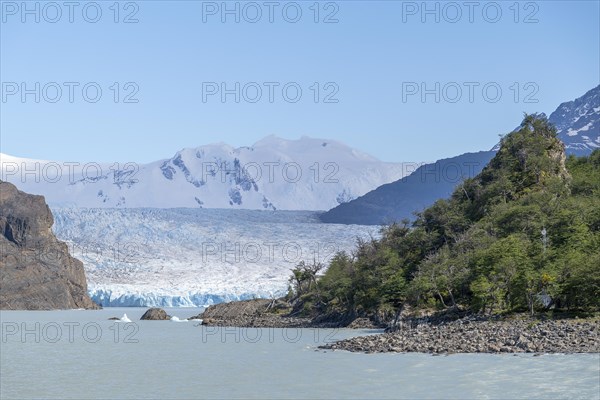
80	354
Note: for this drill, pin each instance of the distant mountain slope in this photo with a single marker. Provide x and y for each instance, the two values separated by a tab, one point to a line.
398	200
275	173
578	123
578	126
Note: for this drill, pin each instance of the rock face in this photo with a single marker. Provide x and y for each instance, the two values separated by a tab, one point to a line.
36	270
155	314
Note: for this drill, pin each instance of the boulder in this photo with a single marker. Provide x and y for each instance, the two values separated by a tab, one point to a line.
155	314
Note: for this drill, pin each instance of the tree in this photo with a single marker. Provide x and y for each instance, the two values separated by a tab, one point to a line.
304	277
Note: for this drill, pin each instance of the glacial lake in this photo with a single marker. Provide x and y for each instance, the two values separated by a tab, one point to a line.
83	355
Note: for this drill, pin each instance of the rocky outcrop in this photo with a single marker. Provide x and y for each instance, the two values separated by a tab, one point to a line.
280	313
258	313
36	270
475	335
155	314
277	313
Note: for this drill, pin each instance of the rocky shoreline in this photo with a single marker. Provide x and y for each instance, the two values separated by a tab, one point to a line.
476	335
445	334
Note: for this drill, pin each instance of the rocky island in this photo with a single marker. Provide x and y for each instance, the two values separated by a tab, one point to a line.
36	270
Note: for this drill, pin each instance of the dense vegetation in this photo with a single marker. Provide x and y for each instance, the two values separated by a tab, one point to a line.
522	235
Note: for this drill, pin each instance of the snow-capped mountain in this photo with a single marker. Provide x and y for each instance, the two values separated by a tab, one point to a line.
578	123
274	173
194	257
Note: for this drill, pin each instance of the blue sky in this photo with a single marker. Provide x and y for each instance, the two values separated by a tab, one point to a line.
371	61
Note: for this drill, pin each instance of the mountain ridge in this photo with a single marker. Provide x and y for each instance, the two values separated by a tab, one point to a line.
274	173
578	123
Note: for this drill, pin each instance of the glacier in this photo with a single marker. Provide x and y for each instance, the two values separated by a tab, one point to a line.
190	257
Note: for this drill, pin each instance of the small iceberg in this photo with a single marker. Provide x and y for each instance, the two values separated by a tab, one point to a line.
124	318
176	319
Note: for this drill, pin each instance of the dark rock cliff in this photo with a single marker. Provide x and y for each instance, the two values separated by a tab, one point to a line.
36	270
